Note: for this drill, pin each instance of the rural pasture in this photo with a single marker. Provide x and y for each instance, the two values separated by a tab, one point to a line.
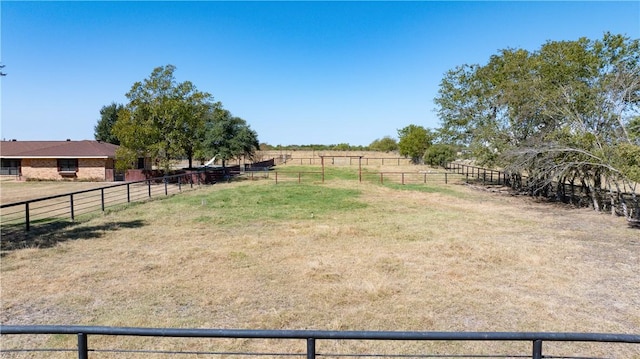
342	255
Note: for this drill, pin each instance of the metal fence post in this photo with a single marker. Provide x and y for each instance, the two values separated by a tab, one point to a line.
102	198
128	193
445	178
149	186
165	180
26	215
311	348
537	349
71	203
83	349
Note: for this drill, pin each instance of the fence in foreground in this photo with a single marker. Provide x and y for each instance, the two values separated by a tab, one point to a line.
311	338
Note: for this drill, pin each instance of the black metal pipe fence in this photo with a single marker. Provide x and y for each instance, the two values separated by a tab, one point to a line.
66	207
311	338
485	175
567	192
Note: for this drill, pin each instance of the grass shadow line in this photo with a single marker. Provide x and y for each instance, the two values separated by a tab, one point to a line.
47	235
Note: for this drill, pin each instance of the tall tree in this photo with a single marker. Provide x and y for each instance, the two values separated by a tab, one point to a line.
163	119
108	117
228	137
414	141
194	109
561	113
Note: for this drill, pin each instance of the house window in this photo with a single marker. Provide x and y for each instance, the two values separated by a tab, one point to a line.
10	167
140	163
68	165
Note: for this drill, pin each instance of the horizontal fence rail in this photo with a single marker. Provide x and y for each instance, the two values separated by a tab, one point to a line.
387	177
345	161
568	192
310	338
21	216
403	178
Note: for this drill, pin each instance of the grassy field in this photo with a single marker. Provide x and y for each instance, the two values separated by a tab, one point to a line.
342	255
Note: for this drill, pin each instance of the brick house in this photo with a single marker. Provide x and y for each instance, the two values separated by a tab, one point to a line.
58	160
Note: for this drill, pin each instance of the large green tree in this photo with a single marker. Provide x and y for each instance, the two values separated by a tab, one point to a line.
163	119
562	113
228	137
108	118
414	141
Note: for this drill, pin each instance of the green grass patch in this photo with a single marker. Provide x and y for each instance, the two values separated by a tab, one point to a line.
286	201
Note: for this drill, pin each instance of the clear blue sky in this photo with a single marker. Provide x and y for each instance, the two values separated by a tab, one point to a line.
297	72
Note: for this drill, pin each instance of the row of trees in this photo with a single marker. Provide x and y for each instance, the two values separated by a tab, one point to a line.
166	120
568	112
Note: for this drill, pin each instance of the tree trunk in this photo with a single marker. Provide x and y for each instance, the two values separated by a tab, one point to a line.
190	157
594	194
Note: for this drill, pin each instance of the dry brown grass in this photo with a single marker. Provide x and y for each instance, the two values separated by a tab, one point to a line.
472	261
12	191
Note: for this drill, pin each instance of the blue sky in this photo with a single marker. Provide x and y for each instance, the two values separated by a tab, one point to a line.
297	72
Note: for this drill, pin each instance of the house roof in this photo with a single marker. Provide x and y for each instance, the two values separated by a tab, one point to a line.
57	149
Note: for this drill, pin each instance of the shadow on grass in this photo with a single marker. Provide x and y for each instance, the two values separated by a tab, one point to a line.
47	235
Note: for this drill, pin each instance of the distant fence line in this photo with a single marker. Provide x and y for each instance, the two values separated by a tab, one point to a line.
343	160
404	178
310	337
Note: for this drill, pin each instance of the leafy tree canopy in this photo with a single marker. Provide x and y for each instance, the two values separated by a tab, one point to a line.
439	154
385	144
163	119
108	118
568	110
228	137
414	141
